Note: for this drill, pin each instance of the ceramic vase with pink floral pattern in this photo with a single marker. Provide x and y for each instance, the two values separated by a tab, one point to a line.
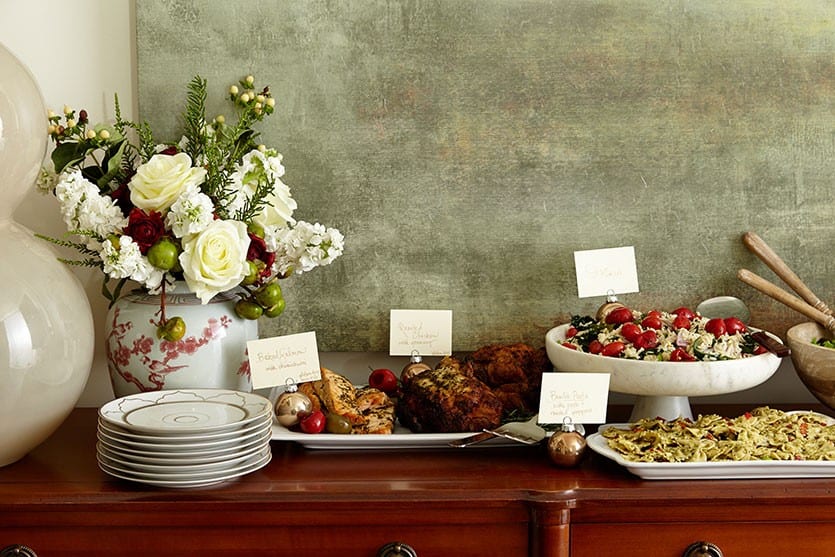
212	354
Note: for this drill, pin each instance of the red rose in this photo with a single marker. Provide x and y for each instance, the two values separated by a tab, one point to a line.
170	150
258	251
146	229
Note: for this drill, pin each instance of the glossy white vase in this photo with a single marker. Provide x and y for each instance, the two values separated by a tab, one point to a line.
46	326
212	354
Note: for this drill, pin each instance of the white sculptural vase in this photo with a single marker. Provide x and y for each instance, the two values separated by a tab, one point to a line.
46	326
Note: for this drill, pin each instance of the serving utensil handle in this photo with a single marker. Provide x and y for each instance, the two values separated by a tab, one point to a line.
795	303
767	255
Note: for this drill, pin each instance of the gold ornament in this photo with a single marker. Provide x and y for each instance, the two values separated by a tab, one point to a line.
414	367
289	404
567	446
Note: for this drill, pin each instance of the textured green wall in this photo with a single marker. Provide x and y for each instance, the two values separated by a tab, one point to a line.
468	148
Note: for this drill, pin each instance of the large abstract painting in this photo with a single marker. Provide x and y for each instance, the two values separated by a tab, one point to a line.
466	148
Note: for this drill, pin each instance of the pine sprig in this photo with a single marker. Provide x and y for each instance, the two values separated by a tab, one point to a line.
194	118
78	246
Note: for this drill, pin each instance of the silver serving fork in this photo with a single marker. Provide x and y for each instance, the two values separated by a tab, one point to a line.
528	433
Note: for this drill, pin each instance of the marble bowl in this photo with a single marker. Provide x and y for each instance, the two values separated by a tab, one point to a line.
815	365
663	387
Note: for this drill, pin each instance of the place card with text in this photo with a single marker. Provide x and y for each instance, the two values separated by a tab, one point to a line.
606	271
284	360
575	397
427	332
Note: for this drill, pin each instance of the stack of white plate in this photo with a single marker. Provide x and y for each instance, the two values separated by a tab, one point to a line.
185	437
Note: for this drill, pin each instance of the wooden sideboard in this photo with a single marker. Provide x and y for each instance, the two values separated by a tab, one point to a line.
500	502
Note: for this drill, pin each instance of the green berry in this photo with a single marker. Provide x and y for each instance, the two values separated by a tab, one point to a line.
247	309
252	275
163	254
172	330
269	294
255	228
276	310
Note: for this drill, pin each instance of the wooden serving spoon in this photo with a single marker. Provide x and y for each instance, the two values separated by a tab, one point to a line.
762	250
787	299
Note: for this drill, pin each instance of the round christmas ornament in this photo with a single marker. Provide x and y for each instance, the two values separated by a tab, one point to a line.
567	446
414	367
290	404
608	307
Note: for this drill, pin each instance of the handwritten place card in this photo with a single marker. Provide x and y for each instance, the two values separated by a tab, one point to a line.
283	360
427	331
606	271
581	397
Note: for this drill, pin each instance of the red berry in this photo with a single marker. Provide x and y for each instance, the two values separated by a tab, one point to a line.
681	355
647	340
613	349
681	322
715	326
619	316
630	331
383	379
684	312
734	325
312	422
652	322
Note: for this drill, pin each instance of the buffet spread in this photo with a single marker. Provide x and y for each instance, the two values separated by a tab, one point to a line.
493	394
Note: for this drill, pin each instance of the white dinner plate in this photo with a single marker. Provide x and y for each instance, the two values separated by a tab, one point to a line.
178	473
120	433
185	411
185	447
149	464
188	482
401	438
182	453
715	470
159	442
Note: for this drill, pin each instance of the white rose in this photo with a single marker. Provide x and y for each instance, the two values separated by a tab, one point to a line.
214	260
159	182
279	207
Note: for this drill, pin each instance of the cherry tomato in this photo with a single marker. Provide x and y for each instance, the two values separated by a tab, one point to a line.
619	316
716	326
684	312
595	347
681	322
733	325
652	322
383	379
571	332
647	340
613	349
630	331
681	355
653	312
569	345
312	422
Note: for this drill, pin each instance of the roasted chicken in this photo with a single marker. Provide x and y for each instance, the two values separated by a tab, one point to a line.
448	399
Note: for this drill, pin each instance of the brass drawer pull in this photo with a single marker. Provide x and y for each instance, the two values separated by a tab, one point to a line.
17	550
395	549
702	549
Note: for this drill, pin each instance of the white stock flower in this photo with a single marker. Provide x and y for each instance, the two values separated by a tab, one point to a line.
190	214
84	208
304	247
127	261
214	260
159	182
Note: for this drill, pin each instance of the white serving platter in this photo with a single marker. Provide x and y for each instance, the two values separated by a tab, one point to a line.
715	470
401	438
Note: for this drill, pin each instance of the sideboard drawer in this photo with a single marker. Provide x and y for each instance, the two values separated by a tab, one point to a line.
735	539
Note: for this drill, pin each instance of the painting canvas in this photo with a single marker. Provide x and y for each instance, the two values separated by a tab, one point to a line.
467	148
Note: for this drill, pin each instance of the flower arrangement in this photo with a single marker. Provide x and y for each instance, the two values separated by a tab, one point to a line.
210	209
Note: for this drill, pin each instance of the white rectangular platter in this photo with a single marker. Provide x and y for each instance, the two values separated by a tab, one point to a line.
401	438
725	470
